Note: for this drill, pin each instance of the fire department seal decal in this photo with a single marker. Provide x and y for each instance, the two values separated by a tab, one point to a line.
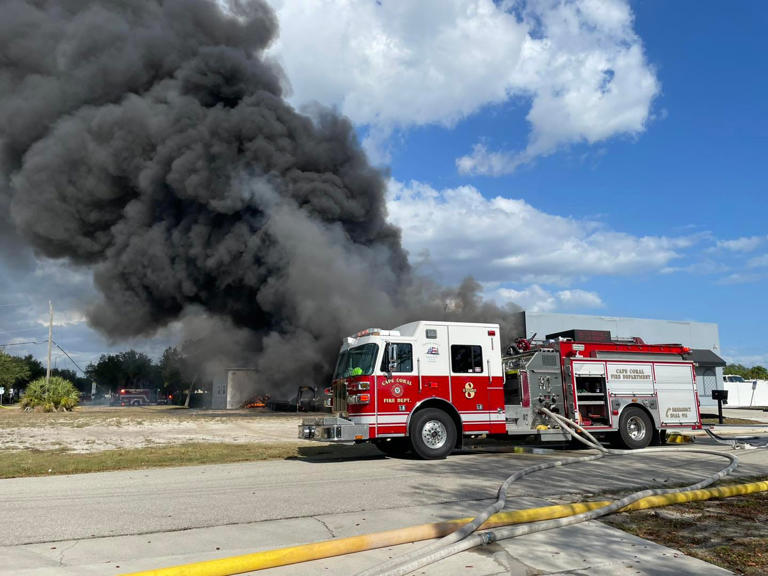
397	390
469	390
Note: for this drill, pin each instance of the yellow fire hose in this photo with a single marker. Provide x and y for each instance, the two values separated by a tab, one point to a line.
341	546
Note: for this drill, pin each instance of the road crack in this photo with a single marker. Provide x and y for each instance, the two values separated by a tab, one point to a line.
326	526
65	550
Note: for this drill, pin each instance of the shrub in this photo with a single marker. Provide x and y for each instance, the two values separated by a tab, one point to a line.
57	394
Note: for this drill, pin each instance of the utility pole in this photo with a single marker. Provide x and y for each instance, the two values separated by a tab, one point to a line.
50	339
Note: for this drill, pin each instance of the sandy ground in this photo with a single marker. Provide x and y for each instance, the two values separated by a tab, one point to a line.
112	428
96	428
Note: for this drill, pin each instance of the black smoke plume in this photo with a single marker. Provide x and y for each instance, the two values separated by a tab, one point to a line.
150	141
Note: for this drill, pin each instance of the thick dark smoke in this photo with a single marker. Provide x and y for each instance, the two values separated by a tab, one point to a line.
150	141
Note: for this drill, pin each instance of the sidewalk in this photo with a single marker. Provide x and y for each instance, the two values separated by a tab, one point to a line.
589	548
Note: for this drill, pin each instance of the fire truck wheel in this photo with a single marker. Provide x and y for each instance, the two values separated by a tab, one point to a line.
635	428
394	446
433	434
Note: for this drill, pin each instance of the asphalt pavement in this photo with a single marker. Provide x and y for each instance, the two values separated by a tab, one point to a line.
119	522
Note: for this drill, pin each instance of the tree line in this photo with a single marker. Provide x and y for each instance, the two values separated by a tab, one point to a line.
753	373
129	369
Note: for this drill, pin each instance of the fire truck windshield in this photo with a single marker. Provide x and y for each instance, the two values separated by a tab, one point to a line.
357	361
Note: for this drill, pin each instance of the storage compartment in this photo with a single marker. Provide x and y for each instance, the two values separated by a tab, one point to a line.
592	400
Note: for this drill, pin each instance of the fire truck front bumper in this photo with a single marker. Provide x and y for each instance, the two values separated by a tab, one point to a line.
332	429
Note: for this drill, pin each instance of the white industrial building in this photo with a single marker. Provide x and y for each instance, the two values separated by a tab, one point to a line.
701	337
233	387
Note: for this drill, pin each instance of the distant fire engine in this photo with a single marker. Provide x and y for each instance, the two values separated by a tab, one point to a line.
427	385
134	397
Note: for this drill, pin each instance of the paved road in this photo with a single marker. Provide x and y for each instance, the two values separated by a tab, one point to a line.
291	496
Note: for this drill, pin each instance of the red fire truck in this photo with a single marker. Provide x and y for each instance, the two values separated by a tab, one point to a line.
426	385
134	397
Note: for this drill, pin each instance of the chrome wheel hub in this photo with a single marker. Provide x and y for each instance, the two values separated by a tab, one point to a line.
434	434
636	428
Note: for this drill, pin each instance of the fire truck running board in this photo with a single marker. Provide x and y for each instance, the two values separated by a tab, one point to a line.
552	436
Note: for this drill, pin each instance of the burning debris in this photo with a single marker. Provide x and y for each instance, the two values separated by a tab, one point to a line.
150	141
259	401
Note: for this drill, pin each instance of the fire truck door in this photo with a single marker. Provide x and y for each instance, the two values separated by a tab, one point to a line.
469	385
432	363
397	387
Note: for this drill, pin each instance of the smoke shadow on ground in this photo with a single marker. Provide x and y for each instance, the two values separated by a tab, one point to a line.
468	471
337	453
472	478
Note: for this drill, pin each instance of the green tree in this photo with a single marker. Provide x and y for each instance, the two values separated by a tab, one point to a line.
758	373
129	369
736	369
13	371
51	395
36	368
107	372
172	370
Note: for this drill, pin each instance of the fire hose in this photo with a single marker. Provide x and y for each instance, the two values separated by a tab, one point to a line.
466	538
739	441
539	518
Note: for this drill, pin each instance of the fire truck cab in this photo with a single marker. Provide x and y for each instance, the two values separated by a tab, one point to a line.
426	385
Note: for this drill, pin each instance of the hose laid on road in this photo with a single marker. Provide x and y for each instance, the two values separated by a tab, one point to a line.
539	517
342	546
739	441
451	545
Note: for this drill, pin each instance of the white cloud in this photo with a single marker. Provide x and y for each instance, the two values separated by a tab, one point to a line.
63	318
735	356
741	278
396	64
459	232
534	298
744	244
580	299
758	261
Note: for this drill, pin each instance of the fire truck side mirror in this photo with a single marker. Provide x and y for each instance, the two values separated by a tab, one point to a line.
392	356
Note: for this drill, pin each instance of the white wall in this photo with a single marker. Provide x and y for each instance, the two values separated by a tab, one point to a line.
746	394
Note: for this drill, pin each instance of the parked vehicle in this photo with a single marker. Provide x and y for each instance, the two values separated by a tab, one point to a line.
134	397
426	385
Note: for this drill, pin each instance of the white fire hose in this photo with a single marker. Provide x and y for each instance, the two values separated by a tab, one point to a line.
466	537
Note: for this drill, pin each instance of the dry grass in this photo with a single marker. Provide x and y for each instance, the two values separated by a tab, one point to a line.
731	532
714	420
103	438
49	462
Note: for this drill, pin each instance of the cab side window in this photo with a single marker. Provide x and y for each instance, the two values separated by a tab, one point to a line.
404	358
466	358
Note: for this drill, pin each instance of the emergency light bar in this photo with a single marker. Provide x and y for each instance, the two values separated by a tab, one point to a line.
376	332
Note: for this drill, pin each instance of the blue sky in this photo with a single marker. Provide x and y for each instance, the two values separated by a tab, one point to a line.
587	157
695	172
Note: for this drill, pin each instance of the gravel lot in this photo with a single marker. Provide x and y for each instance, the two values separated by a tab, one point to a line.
92	429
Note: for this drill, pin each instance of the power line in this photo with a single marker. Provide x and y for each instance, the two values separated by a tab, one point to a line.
20	343
14	330
68	356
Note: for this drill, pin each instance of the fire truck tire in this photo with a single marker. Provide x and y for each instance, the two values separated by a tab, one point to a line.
394	446
136	403
433	434
635	428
